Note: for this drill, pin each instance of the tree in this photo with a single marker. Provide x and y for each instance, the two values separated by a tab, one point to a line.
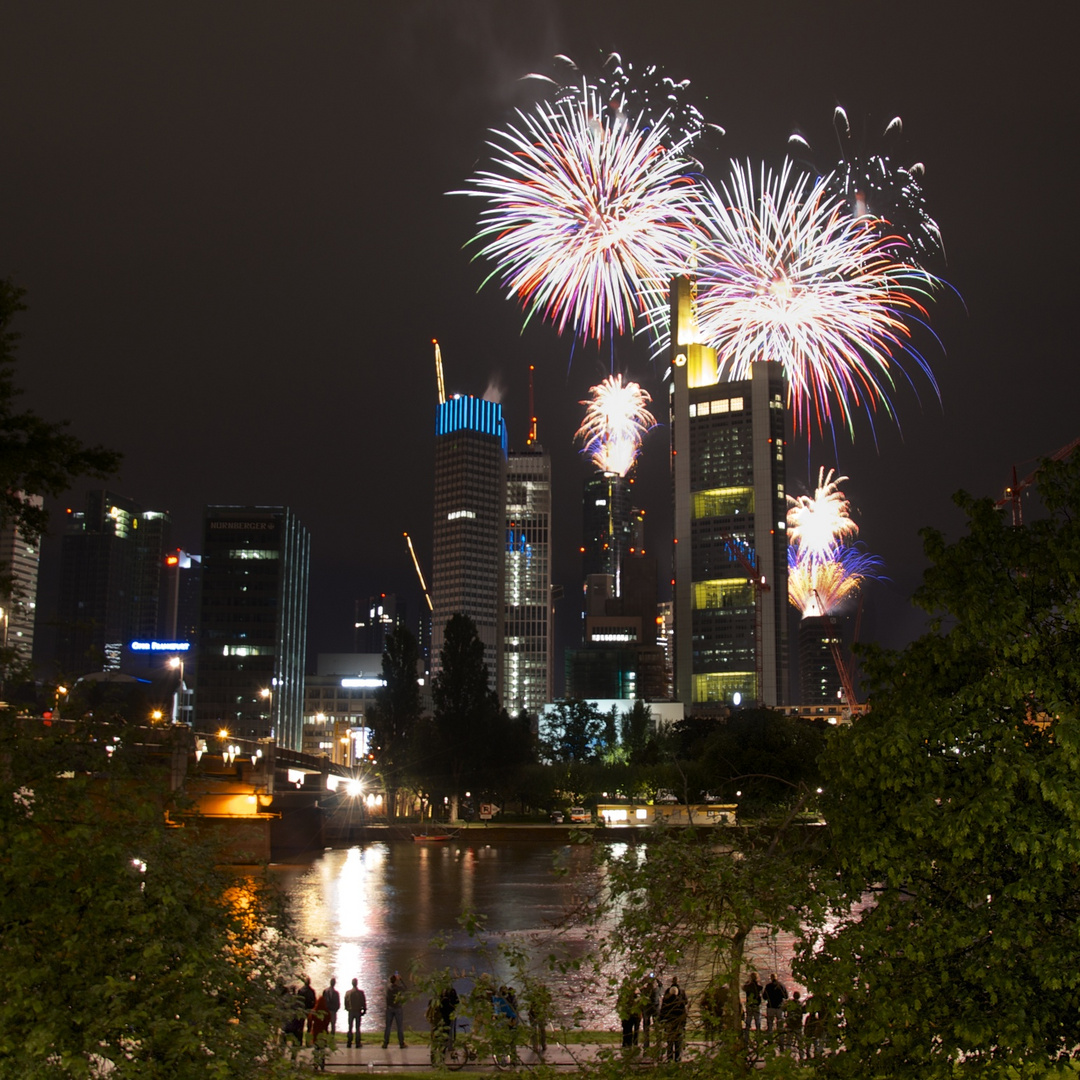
123	940
637	733
37	456
573	732
395	713
468	724
955	811
689	905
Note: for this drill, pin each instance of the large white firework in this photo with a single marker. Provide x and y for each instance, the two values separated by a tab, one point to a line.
785	274
587	216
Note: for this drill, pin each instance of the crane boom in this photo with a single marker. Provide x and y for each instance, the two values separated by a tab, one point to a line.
439	381
419	572
1017	487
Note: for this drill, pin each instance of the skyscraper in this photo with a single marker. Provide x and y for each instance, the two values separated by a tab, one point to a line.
730	558
819	680
470	523
529	631
253	623
20	560
607	524
112	559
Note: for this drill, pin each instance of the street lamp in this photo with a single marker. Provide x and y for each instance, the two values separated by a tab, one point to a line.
268	693
177	664
60	690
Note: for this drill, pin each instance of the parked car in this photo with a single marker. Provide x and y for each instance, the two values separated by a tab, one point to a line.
579	815
556	817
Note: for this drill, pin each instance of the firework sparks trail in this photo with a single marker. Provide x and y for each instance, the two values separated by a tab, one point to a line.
817	523
820	586
586	222
628	92
616	420
784	274
871	183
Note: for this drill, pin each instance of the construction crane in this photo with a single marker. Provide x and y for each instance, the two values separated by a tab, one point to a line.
438	379
760	587
419	572
1017	487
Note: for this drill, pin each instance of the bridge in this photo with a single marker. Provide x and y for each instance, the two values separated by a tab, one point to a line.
262	800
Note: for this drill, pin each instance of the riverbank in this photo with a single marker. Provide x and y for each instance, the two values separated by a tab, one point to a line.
347	833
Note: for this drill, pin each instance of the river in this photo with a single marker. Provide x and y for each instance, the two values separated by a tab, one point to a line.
378	907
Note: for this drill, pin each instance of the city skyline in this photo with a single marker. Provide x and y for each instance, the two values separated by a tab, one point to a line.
233	229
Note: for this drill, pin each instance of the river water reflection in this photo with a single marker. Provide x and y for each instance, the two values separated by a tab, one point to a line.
377	907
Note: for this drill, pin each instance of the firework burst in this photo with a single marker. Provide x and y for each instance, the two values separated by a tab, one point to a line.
785	274
816	524
872	183
586	221
821	586
616	420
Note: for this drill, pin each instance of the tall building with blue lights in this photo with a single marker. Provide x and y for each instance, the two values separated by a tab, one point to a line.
528	634
470	523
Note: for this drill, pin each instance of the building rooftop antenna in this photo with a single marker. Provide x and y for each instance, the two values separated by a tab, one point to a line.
532	410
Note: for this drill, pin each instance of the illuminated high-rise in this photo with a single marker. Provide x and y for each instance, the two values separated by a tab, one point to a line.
730	553
528	642
20	560
253	623
111	577
470	525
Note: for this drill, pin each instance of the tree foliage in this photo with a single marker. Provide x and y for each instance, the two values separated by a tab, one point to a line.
123	941
395	715
469	727
37	456
955	810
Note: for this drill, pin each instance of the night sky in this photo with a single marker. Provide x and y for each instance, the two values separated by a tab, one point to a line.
232	223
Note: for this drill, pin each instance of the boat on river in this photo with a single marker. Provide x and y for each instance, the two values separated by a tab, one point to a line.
432	838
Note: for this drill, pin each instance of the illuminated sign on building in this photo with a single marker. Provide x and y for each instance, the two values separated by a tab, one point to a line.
160	646
354	683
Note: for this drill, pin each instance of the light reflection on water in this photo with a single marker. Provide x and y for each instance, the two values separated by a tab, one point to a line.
376	908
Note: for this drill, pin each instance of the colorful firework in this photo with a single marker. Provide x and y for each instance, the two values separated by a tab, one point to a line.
645	94
586	221
616	420
821	586
784	274
871	183
816	524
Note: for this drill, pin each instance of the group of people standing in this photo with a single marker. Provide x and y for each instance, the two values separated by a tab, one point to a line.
797	1026
316	1014
645	1005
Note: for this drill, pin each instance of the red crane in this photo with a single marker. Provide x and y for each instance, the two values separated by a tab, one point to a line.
1017	487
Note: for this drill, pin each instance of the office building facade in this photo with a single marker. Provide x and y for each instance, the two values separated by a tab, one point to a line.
469	525
253	623
21	560
528	632
730	550
111	566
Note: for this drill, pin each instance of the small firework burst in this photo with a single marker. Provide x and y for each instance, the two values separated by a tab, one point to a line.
616	420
